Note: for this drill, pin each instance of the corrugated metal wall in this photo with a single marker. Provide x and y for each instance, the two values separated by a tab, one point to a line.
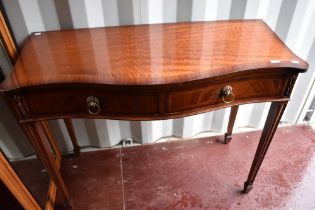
292	20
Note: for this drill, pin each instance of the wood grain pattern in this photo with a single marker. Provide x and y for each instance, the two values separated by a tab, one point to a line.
249	86
149	54
149	102
149	72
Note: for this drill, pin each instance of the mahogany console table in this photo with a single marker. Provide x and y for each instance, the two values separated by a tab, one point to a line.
148	72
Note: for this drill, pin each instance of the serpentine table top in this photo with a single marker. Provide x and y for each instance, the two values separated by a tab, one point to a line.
155	54
148	72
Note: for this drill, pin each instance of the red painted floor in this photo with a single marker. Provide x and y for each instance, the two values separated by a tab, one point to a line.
35	178
196	174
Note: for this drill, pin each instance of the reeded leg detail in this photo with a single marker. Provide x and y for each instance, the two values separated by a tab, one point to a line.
228	134
273	119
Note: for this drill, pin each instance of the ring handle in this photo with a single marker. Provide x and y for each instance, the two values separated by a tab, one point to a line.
227	94
93	105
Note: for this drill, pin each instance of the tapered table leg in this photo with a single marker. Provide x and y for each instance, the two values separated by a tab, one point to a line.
228	134
51	138
37	136
76	147
271	124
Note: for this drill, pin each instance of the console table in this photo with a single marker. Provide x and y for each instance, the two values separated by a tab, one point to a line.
148	72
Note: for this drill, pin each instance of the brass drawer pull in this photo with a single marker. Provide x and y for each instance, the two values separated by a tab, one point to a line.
93	105
227	94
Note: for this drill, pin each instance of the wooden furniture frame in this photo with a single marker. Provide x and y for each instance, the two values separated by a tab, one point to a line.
15	185
7	39
149	72
7	173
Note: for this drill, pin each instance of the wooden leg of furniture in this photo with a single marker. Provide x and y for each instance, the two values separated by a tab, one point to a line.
69	125
38	137
271	124
51	138
52	187
15	185
228	134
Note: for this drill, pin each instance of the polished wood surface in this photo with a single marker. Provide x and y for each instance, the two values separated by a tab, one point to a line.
271	124
149	54
149	72
150	102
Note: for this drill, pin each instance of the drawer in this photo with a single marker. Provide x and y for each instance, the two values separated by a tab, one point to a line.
245	90
149	102
74	102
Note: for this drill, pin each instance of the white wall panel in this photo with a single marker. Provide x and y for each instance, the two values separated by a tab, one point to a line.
198	10
220	120
60	132
32	15
152	12
301	39
224	7
110	12
273	13
169	10
94	13
78	13
252	8
211	10
292	20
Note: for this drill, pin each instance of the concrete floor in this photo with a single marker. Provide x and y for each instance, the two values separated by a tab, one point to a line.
196	174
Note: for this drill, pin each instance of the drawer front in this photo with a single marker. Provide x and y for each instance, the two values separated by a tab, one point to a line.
73	102
243	90
150	102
